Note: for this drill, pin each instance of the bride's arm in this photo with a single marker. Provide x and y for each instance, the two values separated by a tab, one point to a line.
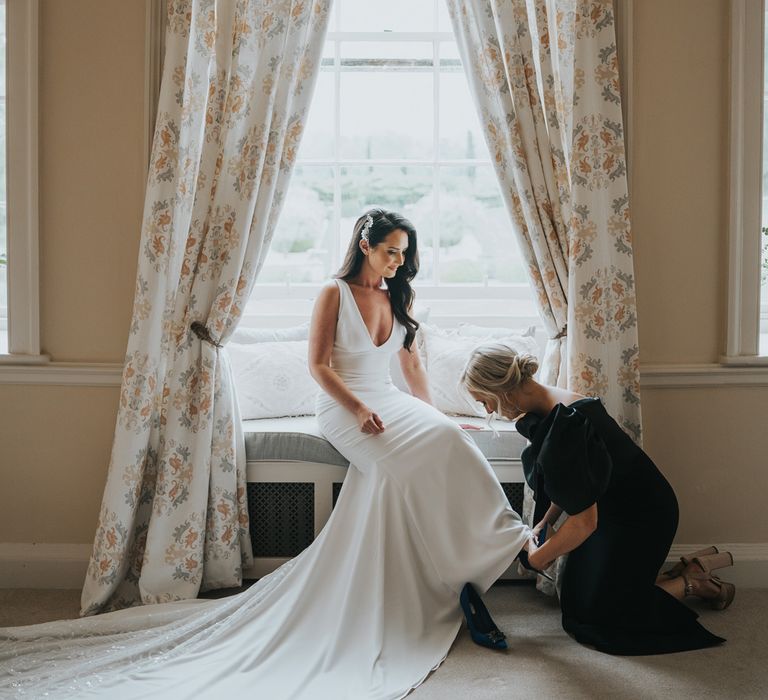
322	333
414	373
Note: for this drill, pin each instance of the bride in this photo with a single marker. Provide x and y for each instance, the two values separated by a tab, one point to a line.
372	606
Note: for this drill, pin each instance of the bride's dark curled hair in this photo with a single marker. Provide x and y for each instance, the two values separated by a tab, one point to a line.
401	294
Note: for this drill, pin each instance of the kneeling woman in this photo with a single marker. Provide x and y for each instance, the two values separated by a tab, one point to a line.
622	515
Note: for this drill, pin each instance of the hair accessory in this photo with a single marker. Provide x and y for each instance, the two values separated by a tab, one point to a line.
366	228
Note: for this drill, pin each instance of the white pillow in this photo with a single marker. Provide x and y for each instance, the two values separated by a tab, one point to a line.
483	332
270	335
447	354
272	378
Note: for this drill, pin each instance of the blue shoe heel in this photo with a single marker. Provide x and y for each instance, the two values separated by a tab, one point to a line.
481	627
522	556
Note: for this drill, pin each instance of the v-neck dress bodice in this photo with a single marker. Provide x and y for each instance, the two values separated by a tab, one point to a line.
355	357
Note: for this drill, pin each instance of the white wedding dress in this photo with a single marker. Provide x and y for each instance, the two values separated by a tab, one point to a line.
367	611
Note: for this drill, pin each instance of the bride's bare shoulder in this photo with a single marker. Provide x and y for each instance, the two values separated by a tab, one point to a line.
328	297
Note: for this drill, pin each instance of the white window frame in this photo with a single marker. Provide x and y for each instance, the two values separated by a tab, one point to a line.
437	296
745	186
155	24
22	17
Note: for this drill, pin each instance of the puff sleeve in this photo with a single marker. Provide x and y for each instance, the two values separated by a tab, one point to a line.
574	461
567	460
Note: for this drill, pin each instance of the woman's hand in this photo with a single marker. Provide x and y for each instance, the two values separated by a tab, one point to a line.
536	532
369	421
537	558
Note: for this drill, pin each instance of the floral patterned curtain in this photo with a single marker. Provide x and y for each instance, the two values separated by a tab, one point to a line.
237	82
545	78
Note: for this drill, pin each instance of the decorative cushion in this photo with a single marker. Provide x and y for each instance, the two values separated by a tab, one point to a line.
270	335
447	353
483	332
272	378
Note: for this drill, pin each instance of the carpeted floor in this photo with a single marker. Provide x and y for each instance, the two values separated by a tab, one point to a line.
543	663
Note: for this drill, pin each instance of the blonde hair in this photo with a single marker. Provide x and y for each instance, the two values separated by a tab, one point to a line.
493	369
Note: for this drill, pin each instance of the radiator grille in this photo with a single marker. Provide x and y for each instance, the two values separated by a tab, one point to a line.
514	493
282	514
282	517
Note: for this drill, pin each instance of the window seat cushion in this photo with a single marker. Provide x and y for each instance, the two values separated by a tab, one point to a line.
299	439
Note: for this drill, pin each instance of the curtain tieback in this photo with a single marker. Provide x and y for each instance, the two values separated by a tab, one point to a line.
562	334
202	332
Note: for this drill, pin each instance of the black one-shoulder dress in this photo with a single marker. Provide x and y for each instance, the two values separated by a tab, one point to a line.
578	455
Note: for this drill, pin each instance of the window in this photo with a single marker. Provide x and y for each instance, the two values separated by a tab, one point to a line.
393	124
19	288
763	342
747	315
3	204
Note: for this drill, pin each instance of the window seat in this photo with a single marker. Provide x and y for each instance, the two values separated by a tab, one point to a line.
298	439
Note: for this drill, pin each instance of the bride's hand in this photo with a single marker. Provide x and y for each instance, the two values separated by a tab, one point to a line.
369	421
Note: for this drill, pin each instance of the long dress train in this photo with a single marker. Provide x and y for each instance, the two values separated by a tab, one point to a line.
366	611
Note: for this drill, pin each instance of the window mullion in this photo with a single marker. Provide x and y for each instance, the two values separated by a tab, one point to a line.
384	37
336	252
435	159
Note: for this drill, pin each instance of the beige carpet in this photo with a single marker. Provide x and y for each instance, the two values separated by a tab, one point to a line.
543	663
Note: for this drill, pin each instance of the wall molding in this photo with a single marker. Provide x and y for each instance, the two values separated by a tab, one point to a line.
63	374
37	565
63	566
714	376
672	376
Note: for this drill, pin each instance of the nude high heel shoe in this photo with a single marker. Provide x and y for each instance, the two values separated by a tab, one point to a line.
711	562
722	598
678	568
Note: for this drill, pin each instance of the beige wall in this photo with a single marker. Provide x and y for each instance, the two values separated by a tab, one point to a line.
712	443
55	441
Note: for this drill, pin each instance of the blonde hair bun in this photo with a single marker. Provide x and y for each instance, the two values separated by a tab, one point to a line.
496	368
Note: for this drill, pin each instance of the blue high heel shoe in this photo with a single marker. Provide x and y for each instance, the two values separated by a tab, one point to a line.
522	556
481	627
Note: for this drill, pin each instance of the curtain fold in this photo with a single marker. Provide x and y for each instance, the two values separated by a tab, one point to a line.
544	75
545	79
237	83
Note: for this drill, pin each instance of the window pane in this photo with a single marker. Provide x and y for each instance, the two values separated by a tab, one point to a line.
389	15
383	50
406	190
386	115
317	141
477	244
443	18
301	248
461	135
3	218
